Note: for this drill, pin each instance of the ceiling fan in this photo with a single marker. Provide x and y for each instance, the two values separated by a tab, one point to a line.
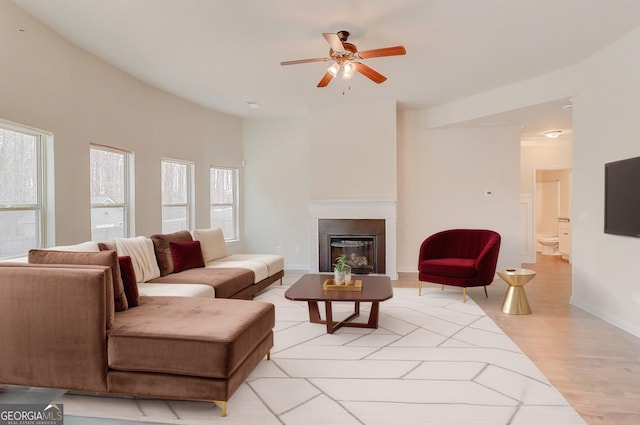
346	59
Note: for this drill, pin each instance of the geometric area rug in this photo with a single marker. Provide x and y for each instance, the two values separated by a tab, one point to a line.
432	360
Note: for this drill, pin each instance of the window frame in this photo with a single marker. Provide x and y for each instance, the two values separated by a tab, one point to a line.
44	203
235	204
127	205
190	207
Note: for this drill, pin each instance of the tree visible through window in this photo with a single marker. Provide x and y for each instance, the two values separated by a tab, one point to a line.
109	170
224	201
22	192
176	195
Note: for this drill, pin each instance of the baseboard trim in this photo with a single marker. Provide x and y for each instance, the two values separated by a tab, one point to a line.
615	321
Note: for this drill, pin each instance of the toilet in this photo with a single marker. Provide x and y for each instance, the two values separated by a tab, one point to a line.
549	245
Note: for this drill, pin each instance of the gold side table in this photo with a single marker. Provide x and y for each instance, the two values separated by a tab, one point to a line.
515	300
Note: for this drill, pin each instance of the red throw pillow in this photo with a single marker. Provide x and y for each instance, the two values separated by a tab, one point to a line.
129	280
186	255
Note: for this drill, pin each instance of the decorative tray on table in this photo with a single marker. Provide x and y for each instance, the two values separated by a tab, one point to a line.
330	285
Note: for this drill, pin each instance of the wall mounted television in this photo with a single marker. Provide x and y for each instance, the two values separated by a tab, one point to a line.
622	197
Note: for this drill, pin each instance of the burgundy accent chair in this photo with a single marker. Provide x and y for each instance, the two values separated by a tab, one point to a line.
459	257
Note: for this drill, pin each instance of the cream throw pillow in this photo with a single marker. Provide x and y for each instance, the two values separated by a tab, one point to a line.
212	243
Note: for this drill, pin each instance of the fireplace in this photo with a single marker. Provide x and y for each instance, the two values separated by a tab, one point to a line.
354	209
361	241
359	251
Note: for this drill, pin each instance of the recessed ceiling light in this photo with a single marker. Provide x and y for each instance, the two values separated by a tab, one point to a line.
252	104
553	133
567	107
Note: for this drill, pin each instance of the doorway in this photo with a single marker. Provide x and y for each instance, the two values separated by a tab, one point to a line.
552	208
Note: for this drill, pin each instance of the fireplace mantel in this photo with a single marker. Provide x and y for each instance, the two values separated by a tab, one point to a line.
354	209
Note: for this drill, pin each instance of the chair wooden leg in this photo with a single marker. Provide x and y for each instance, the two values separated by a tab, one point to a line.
486	294
464	295
419	288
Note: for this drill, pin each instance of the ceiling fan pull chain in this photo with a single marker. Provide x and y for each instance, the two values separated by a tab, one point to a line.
348	89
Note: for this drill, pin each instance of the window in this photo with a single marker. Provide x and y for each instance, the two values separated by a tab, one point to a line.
177	195
23	212
224	201
110	193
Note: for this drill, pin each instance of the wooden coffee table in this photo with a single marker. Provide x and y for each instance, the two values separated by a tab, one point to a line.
309	288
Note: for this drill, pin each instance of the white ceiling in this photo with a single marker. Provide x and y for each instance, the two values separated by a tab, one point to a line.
221	53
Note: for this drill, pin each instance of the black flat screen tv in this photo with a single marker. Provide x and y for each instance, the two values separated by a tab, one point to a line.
622	197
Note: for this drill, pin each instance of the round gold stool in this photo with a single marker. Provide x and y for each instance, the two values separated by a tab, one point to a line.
515	300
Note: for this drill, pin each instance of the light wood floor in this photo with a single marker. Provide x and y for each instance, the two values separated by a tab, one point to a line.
595	365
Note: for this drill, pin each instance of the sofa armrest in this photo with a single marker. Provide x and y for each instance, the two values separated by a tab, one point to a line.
53	324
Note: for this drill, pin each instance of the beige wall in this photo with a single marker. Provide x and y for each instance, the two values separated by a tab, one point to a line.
606	278
50	84
276	188
353	151
443	177
335	153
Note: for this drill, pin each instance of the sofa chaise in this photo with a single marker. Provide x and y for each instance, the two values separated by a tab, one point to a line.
59	329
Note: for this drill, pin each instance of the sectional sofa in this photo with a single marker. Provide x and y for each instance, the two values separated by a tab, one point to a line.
230	276
79	320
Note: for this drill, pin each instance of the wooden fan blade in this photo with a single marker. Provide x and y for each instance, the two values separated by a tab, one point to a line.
385	51
295	62
334	41
325	80
371	74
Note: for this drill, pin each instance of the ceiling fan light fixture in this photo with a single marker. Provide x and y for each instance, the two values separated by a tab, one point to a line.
348	69
347	59
334	69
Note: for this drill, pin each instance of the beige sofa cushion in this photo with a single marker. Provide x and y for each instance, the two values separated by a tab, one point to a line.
212	243
227	282
274	263
211	338
260	270
161	246
196	290
102	258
